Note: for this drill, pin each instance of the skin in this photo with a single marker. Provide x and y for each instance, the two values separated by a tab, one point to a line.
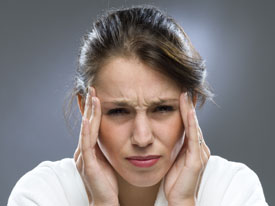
138	128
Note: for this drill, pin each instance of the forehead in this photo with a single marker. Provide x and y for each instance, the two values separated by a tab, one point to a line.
131	80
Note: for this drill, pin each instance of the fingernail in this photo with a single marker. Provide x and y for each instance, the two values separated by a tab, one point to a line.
185	96
89	90
92	91
93	100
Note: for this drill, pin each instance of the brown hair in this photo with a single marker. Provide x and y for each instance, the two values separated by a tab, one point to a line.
147	33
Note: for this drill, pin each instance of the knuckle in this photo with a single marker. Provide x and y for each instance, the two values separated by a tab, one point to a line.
76	156
83	127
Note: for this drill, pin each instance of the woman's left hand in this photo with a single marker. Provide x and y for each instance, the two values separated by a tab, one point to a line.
182	181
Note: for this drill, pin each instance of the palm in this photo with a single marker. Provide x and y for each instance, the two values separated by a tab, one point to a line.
105	171
173	174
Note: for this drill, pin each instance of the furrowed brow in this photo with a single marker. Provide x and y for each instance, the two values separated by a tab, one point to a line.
125	103
161	101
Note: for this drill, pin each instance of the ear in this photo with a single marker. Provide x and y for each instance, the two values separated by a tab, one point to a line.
80	101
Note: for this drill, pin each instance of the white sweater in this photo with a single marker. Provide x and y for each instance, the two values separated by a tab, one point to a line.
224	183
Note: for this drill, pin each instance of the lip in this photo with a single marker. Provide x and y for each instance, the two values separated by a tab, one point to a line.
144	161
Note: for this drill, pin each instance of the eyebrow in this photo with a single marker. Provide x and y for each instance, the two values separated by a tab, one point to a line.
125	103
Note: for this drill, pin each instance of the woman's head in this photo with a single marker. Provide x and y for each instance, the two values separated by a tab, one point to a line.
145	33
139	60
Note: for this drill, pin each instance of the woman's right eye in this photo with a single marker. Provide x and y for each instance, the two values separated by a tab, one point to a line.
118	111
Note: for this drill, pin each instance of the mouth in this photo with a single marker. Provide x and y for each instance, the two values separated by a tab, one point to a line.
144	161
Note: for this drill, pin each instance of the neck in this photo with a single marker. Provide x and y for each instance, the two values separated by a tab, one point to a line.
130	195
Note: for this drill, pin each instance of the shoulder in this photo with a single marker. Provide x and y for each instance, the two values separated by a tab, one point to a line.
50	183
225	182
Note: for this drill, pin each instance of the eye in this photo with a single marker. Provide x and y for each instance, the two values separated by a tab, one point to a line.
117	111
163	109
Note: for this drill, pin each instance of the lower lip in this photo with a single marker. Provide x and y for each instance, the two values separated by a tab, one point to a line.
144	163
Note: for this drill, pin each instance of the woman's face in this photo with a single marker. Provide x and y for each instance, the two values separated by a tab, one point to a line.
140	117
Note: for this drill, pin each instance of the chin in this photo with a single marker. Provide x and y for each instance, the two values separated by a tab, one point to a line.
144	183
143	179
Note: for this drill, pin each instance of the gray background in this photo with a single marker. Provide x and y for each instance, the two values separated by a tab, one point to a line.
39	45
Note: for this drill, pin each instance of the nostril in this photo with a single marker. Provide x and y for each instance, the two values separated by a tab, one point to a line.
142	141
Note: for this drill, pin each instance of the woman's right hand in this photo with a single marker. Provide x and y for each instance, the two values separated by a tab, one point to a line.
96	172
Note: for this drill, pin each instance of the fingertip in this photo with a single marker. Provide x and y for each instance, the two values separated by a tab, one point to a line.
90	90
184	96
93	91
96	109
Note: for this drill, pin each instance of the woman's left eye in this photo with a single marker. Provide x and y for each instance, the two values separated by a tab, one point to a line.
163	109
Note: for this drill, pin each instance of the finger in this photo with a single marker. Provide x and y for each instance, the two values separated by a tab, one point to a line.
193	132
95	121
184	110
76	153
87	112
85	142
204	157
88	102
90	133
205	147
206	151
203	144
180	157
193	137
86	139
79	163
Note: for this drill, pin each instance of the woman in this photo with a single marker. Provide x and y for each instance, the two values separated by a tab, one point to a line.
137	85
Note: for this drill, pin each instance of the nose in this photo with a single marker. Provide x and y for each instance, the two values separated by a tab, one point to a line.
142	134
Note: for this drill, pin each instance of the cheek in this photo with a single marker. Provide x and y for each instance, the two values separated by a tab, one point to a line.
170	133
170	130
111	137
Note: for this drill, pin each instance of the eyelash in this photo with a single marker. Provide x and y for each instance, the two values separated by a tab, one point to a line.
122	111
